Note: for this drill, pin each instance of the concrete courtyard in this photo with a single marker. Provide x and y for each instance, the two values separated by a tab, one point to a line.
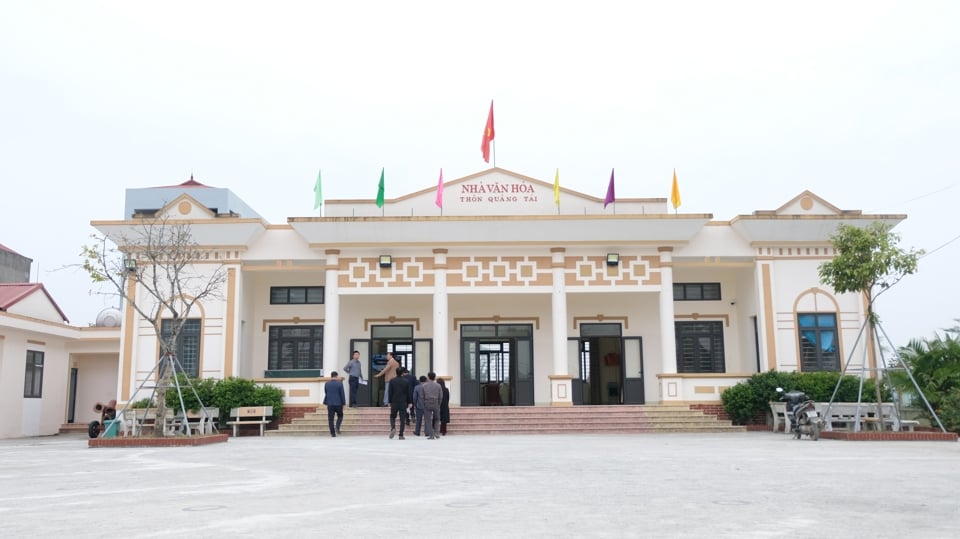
755	484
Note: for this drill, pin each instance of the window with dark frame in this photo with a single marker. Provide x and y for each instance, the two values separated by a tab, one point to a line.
295	347
696	292
700	347
296	295
818	342
188	344
33	378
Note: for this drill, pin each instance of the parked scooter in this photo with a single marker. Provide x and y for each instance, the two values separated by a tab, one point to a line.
803	414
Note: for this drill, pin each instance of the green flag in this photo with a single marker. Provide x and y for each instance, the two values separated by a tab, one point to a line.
317	193
380	191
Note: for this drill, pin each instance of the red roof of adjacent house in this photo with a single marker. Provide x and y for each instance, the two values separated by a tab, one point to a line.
9	250
12	293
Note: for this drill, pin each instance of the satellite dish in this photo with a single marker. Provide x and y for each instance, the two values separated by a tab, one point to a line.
109	318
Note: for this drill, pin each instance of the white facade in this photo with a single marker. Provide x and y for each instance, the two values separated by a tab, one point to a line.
503	279
79	368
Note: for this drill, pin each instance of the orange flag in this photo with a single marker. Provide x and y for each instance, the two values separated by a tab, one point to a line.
675	192
488	134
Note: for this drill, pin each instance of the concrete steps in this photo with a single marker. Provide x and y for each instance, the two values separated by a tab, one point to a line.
616	419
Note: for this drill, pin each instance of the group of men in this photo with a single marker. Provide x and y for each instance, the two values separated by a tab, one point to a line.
402	392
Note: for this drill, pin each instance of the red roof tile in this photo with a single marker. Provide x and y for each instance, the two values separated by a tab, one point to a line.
13	293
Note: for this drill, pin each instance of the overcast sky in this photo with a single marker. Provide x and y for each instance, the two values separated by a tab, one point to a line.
751	102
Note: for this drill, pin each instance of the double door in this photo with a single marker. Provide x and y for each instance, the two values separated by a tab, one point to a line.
413	355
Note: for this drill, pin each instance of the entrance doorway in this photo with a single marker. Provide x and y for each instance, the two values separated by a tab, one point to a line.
600	360
496	365
609	367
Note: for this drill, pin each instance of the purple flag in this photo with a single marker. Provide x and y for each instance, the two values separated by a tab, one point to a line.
611	196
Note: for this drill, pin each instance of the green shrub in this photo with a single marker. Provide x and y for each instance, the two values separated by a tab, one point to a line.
949	412
145	402
204	390
747	400
269	396
234	392
740	403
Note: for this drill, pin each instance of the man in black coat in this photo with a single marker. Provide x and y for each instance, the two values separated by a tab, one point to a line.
400	399
414	382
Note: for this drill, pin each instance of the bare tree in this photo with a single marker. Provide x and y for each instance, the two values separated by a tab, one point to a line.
163	260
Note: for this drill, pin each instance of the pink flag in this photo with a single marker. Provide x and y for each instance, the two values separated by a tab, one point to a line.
611	196
439	201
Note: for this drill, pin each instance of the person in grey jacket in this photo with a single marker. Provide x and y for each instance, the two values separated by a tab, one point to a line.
355	372
418	405
432	395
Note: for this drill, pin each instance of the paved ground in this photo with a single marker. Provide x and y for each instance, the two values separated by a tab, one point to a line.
648	485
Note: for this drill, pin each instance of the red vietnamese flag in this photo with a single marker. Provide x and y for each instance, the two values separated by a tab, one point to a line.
488	134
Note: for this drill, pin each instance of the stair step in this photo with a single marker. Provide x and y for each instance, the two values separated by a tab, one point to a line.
606	419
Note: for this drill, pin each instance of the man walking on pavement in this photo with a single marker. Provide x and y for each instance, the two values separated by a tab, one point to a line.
399	402
334	399
355	372
432	395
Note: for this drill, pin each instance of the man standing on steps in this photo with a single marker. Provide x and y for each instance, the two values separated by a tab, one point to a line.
355	372
334	399
399	402
388	373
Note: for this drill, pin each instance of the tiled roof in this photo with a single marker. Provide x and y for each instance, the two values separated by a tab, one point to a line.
12	293
189	183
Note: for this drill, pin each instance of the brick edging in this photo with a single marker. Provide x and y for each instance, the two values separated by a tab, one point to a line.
147	441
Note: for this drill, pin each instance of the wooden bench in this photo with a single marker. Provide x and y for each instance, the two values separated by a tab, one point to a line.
250	415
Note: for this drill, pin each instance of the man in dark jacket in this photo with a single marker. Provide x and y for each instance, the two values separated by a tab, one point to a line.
414	382
400	399
334	398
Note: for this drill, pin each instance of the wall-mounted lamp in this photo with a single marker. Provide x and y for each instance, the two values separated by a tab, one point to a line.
613	259
386	261
130	264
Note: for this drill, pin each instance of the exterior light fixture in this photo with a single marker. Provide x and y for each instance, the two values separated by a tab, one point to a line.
130	264
386	261
613	259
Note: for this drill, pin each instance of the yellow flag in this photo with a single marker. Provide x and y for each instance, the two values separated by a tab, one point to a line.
556	188
675	192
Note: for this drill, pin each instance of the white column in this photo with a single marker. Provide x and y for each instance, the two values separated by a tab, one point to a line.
559	312
561	383
668	337
331	325
441	327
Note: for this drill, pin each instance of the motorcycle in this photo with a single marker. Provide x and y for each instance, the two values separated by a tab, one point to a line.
803	414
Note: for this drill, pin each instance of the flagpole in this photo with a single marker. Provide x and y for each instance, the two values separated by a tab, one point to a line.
494	142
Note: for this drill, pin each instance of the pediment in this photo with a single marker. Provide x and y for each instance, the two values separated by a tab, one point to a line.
806	218
808	203
186	207
493	192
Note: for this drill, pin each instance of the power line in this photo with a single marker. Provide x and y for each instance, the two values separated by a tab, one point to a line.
914	199
955	238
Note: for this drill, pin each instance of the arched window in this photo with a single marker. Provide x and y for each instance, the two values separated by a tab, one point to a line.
818	342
